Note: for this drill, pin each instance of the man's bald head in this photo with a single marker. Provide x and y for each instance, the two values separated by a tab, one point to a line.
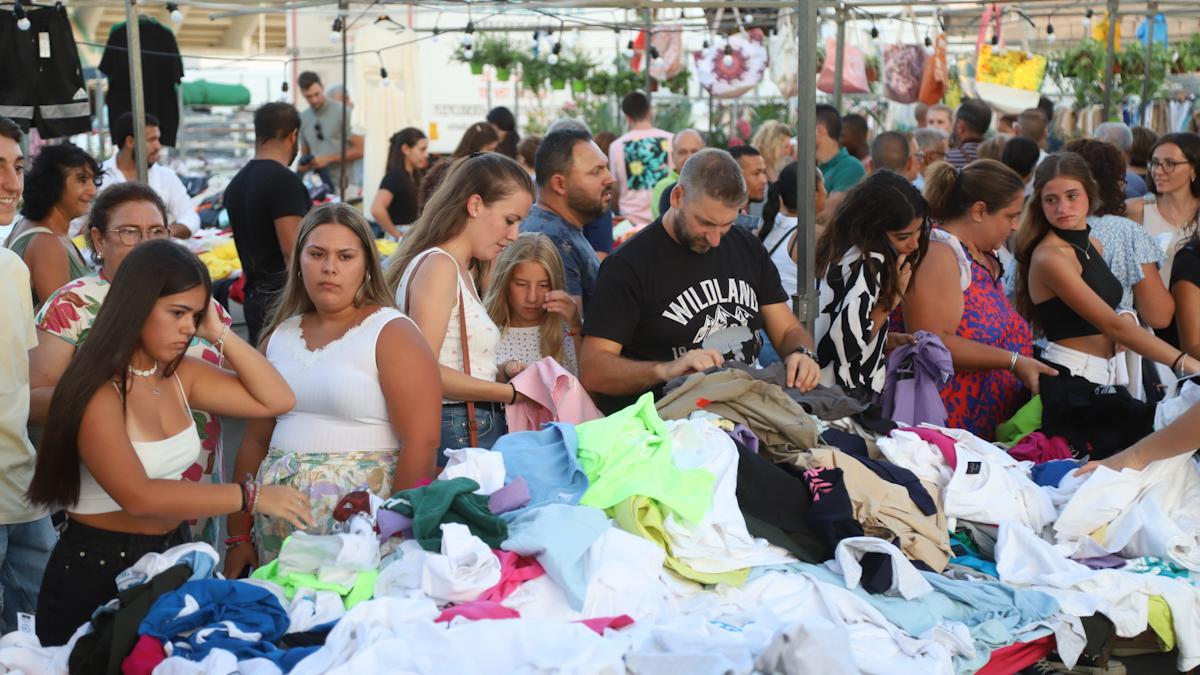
685	144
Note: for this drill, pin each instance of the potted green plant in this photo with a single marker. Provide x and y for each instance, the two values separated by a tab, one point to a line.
471	57
534	72
578	67
558	73
500	54
599	82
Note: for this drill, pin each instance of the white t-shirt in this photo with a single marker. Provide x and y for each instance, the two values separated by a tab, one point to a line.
17	337
525	345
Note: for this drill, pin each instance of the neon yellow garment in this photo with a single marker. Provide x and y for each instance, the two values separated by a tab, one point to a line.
656	196
1159	617
629	453
1027	420
643	516
363	588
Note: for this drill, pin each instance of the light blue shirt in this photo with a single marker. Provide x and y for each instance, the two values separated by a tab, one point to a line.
558	535
1127	246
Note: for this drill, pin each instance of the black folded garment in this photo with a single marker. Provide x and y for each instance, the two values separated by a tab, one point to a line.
1099	420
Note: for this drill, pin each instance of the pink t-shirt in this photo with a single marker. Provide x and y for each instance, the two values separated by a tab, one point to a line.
638	160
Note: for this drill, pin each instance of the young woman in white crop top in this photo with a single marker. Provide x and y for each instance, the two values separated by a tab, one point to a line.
1172	213
436	275
120	433
366	384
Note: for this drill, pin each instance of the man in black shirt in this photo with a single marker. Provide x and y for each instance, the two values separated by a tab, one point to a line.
265	202
688	293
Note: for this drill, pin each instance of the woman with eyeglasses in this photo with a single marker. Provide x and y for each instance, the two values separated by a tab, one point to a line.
59	188
958	294
1171	211
123	216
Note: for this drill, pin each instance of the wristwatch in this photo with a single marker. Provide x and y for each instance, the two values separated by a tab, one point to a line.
806	352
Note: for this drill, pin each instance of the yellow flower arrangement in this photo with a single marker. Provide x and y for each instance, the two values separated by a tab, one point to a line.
1011	68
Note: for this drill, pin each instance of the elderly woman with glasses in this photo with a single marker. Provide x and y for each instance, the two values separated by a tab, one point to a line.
122	217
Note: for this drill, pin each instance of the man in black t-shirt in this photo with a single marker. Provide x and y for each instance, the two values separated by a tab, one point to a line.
265	202
688	293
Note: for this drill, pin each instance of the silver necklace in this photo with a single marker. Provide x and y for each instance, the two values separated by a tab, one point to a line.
1086	255
147	374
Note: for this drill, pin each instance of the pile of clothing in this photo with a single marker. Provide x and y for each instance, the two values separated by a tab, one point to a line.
733	526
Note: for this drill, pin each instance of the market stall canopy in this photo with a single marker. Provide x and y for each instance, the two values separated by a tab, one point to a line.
203	92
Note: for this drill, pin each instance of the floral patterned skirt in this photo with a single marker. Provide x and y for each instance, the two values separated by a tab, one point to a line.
325	477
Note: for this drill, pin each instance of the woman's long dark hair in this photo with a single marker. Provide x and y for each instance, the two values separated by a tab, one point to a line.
408	136
154	269
502	118
884	202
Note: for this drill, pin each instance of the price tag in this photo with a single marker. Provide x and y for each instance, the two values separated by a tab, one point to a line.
26	623
44	45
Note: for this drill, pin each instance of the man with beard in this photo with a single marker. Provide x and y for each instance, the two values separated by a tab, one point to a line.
575	188
122	167
688	293
265	202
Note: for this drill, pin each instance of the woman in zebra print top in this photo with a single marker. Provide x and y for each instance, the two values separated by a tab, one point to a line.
865	259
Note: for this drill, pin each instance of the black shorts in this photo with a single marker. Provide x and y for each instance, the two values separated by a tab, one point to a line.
41	80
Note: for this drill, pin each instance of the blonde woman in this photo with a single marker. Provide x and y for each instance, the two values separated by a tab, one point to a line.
436	275
366	385
529	303
774	140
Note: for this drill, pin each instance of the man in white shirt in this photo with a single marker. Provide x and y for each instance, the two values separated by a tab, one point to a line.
26	535
123	166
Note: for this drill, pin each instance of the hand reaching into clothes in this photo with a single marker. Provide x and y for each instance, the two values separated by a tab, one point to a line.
695	361
1128	458
280	501
897	340
512	369
239	558
1029	372
803	372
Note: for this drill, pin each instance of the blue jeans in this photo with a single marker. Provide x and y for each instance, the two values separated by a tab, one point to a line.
24	550
767	354
491	426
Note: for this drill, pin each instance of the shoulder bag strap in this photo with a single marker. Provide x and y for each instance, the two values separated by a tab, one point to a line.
472	422
786	237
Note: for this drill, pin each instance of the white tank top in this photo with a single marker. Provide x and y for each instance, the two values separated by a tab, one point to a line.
483	337
1169	237
165	459
339	404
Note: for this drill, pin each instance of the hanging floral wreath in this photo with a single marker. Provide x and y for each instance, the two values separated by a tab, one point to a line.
732	69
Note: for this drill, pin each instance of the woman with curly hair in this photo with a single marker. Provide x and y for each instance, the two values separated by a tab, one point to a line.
59	188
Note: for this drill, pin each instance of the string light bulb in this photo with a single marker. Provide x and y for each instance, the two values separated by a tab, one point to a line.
335	33
176	15
727	60
22	18
468	38
1087	18
629	49
383	77
654	55
536	41
995	39
748	18
1050	36
874	32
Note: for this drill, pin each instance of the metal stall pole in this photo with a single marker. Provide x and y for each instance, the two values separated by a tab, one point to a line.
804	303
344	174
135	89
1151	10
646	51
1110	58
839	60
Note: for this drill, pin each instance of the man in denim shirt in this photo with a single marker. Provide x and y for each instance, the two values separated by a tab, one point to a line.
575	187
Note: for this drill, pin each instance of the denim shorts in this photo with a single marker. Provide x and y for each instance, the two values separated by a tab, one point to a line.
489	417
82	574
24	550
